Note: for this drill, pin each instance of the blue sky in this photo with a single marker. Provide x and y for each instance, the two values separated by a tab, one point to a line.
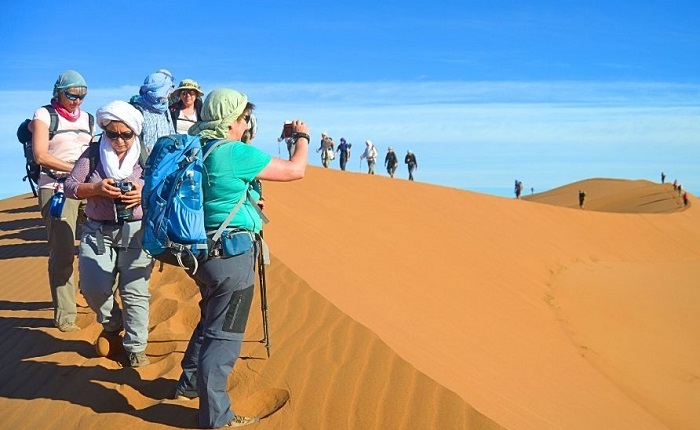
548	92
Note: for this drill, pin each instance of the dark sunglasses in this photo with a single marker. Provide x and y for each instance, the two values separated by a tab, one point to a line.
127	135
247	118
74	97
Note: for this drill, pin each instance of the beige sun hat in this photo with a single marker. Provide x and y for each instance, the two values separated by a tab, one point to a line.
188	84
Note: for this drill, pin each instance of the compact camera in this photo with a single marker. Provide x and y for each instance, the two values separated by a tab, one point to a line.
123	214
287	130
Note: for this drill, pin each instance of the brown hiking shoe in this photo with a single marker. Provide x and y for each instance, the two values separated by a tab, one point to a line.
68	327
240	421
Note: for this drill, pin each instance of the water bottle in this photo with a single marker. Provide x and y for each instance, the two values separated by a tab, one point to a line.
57	201
189	191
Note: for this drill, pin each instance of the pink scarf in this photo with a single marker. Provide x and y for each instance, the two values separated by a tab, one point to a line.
70	116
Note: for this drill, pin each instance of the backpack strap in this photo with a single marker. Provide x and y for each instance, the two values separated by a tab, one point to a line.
230	216
208	149
53	125
93	156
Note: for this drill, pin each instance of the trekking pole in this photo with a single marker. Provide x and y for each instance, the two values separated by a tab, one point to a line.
263	297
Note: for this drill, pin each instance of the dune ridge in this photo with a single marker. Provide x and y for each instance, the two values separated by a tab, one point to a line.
397	304
470	280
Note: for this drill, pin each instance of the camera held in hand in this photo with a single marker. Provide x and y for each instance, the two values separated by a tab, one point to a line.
287	130
123	214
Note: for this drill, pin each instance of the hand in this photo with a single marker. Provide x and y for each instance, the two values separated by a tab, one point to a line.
106	188
132	198
300	127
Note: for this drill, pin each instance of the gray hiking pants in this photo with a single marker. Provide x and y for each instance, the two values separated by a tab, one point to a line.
61	240
124	269
227	286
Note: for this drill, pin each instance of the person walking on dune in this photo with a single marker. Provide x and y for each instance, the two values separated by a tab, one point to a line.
326	148
663	178
371	155
344	151
391	162
581	198
410	160
685	198
518	189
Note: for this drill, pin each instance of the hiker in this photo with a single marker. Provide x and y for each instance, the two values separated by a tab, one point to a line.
344	150
152	101
56	156
391	162
685	198
663	178
680	189
581	198
371	155
110	177
410	160
187	110
675	184
327	154
227	283
518	189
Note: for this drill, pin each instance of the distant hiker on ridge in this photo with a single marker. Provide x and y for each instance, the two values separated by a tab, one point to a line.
391	162
581	198
344	150
518	189
326	148
663	177
410	160
371	155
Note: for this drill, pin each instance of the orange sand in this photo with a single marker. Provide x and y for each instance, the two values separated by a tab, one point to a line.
401	305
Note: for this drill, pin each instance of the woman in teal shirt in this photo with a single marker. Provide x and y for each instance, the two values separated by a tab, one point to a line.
227	283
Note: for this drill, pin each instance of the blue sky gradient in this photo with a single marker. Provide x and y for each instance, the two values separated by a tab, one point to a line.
483	92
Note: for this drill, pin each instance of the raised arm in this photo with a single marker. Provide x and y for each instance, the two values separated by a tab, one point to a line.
290	170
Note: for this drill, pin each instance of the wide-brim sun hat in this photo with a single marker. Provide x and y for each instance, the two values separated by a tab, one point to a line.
188	84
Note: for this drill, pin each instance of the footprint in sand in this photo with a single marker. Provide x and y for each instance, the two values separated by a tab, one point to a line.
263	403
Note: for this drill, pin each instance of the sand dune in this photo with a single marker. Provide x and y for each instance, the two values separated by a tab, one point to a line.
400	305
615	195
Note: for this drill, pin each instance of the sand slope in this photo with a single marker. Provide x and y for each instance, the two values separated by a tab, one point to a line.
332	372
399	305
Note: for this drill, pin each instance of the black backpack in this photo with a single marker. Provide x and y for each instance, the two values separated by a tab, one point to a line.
25	138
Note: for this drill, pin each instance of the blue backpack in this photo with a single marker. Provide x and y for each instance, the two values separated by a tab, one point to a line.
173	215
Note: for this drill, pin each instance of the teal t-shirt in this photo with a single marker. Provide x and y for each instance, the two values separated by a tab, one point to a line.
228	172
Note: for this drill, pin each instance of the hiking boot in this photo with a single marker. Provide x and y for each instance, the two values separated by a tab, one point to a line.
67	327
240	421
138	359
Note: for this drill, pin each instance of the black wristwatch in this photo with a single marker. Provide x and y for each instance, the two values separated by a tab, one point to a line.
302	135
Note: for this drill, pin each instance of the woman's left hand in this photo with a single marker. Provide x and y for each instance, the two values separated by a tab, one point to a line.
132	198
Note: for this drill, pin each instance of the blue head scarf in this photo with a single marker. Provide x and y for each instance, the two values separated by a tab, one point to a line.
69	79
155	90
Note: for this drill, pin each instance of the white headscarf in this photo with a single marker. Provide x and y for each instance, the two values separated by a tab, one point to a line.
119	111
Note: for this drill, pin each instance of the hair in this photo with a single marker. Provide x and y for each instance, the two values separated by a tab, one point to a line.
249	108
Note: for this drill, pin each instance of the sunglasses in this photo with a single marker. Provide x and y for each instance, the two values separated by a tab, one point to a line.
247	119
188	92
74	97
127	135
